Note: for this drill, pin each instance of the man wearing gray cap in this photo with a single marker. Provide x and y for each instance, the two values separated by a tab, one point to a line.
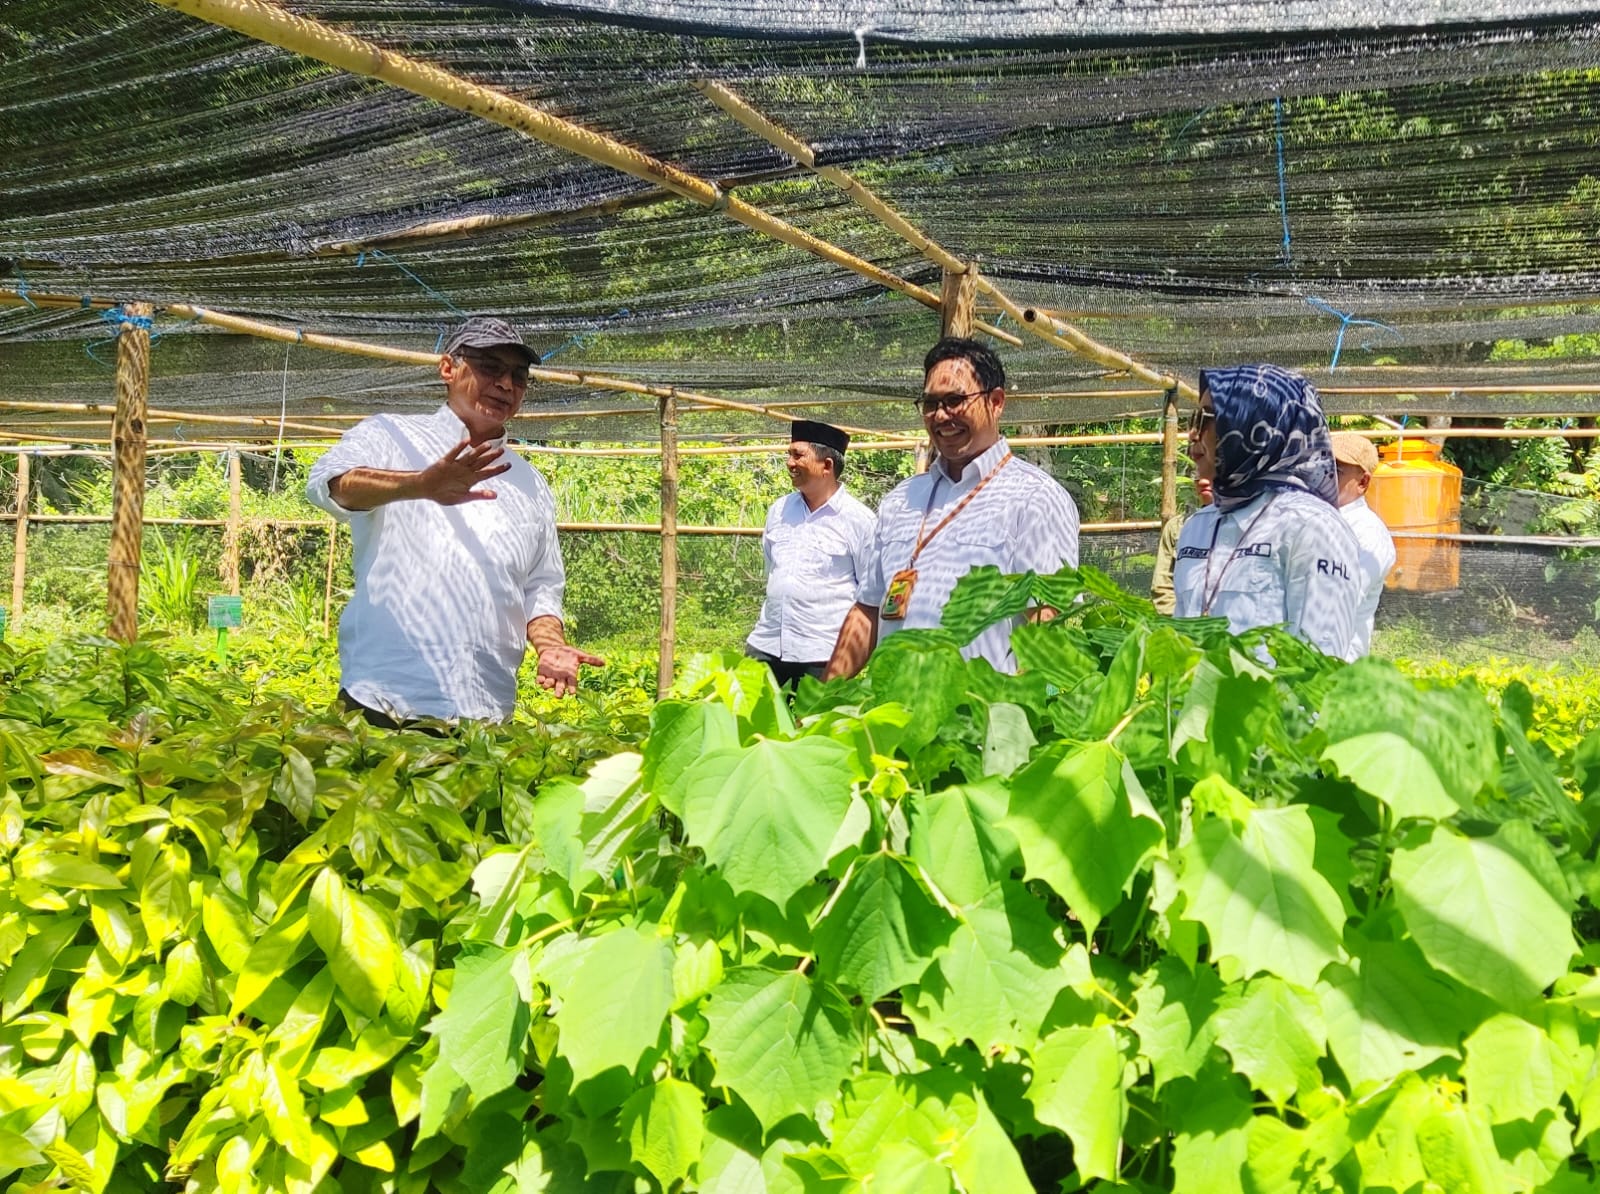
457	568
1357	460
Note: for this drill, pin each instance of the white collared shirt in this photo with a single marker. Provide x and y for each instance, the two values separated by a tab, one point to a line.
816	560
438	623
1299	567
1023	520
1377	558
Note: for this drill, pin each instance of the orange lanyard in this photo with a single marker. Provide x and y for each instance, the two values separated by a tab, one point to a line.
924	539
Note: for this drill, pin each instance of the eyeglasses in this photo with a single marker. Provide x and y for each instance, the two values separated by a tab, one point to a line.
496	369
1197	421
949	403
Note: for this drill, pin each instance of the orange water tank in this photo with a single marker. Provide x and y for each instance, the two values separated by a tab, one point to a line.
1414	491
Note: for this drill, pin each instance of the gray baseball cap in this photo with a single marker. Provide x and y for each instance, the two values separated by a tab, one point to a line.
484	331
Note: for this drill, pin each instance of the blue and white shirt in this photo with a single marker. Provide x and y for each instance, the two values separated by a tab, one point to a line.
1285	558
438	623
1023	520
816	560
1377	558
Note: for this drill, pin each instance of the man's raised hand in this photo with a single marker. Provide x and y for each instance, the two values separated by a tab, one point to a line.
450	479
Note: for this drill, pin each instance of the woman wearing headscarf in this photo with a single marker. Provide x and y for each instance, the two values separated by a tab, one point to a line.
1271	549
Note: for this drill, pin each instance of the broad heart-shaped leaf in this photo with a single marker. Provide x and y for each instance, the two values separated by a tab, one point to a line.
923	671
1055	650
983	597
680	732
1077	1087
1174	1018
1212	1118
356	939
956	837
1259	895
1009	740
1458	1151
1284	1160
881	931
615	807
1425	752
1480	915
665	1126
1083	824
780	1040
614	992
996	979
1121	687
1275	1036
1514	1069
937	1114
483	1032
1388	1012
766	814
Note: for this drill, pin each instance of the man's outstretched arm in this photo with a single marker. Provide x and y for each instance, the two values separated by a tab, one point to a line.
857	637
558	662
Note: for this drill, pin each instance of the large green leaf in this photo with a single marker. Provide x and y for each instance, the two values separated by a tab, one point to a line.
982	597
1275	1036
780	1040
614	993
1514	1069
1174	1018
483	1033
357	940
766	815
1211	1119
923	671
1458	1151
1009	740
665	1127
1257	891
1479	914
1077	1087
881	931
1083	824
996	978
680	732
1388	1012
957	838
1423	751
1054	650
1121	687
1284	1160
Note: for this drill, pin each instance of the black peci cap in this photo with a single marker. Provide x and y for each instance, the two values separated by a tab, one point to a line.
806	431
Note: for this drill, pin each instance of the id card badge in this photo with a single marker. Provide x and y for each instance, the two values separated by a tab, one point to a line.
897	598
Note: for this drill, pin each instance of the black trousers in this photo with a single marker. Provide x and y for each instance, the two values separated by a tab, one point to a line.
381	720
786	671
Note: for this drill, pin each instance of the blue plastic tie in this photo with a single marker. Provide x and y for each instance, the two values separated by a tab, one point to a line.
1283	185
116	315
1346	322
22	289
380	255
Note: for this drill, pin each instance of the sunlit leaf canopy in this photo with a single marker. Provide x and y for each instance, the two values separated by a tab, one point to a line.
1193	185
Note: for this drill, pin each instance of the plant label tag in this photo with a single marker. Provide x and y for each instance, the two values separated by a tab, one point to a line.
225	613
897	598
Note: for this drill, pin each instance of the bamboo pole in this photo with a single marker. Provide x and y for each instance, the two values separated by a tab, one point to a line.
273	25
959	289
327	582
19	544
1169	457
1053	330
231	540
669	545
127	500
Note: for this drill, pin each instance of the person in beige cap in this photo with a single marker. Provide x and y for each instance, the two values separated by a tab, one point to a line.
1357	460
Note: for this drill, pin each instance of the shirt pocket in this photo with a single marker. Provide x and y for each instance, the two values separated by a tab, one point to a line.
980	540
1256	578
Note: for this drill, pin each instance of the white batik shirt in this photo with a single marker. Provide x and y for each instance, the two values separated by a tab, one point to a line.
438	623
1023	520
816	560
1286	558
1377	558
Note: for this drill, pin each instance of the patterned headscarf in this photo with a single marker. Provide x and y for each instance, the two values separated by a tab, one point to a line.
1271	434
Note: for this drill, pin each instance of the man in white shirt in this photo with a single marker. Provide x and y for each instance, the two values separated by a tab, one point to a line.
817	544
1271	549
977	505
1358	460
457	568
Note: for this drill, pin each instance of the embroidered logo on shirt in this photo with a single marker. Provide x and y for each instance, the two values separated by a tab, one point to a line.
1333	568
1261	550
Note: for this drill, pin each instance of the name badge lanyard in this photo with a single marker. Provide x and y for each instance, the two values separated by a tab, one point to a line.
898	597
1209	591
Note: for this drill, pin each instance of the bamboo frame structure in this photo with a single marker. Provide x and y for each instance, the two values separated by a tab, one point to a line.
273	25
1169	456
231	540
19	542
669	546
1053	330
127	502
